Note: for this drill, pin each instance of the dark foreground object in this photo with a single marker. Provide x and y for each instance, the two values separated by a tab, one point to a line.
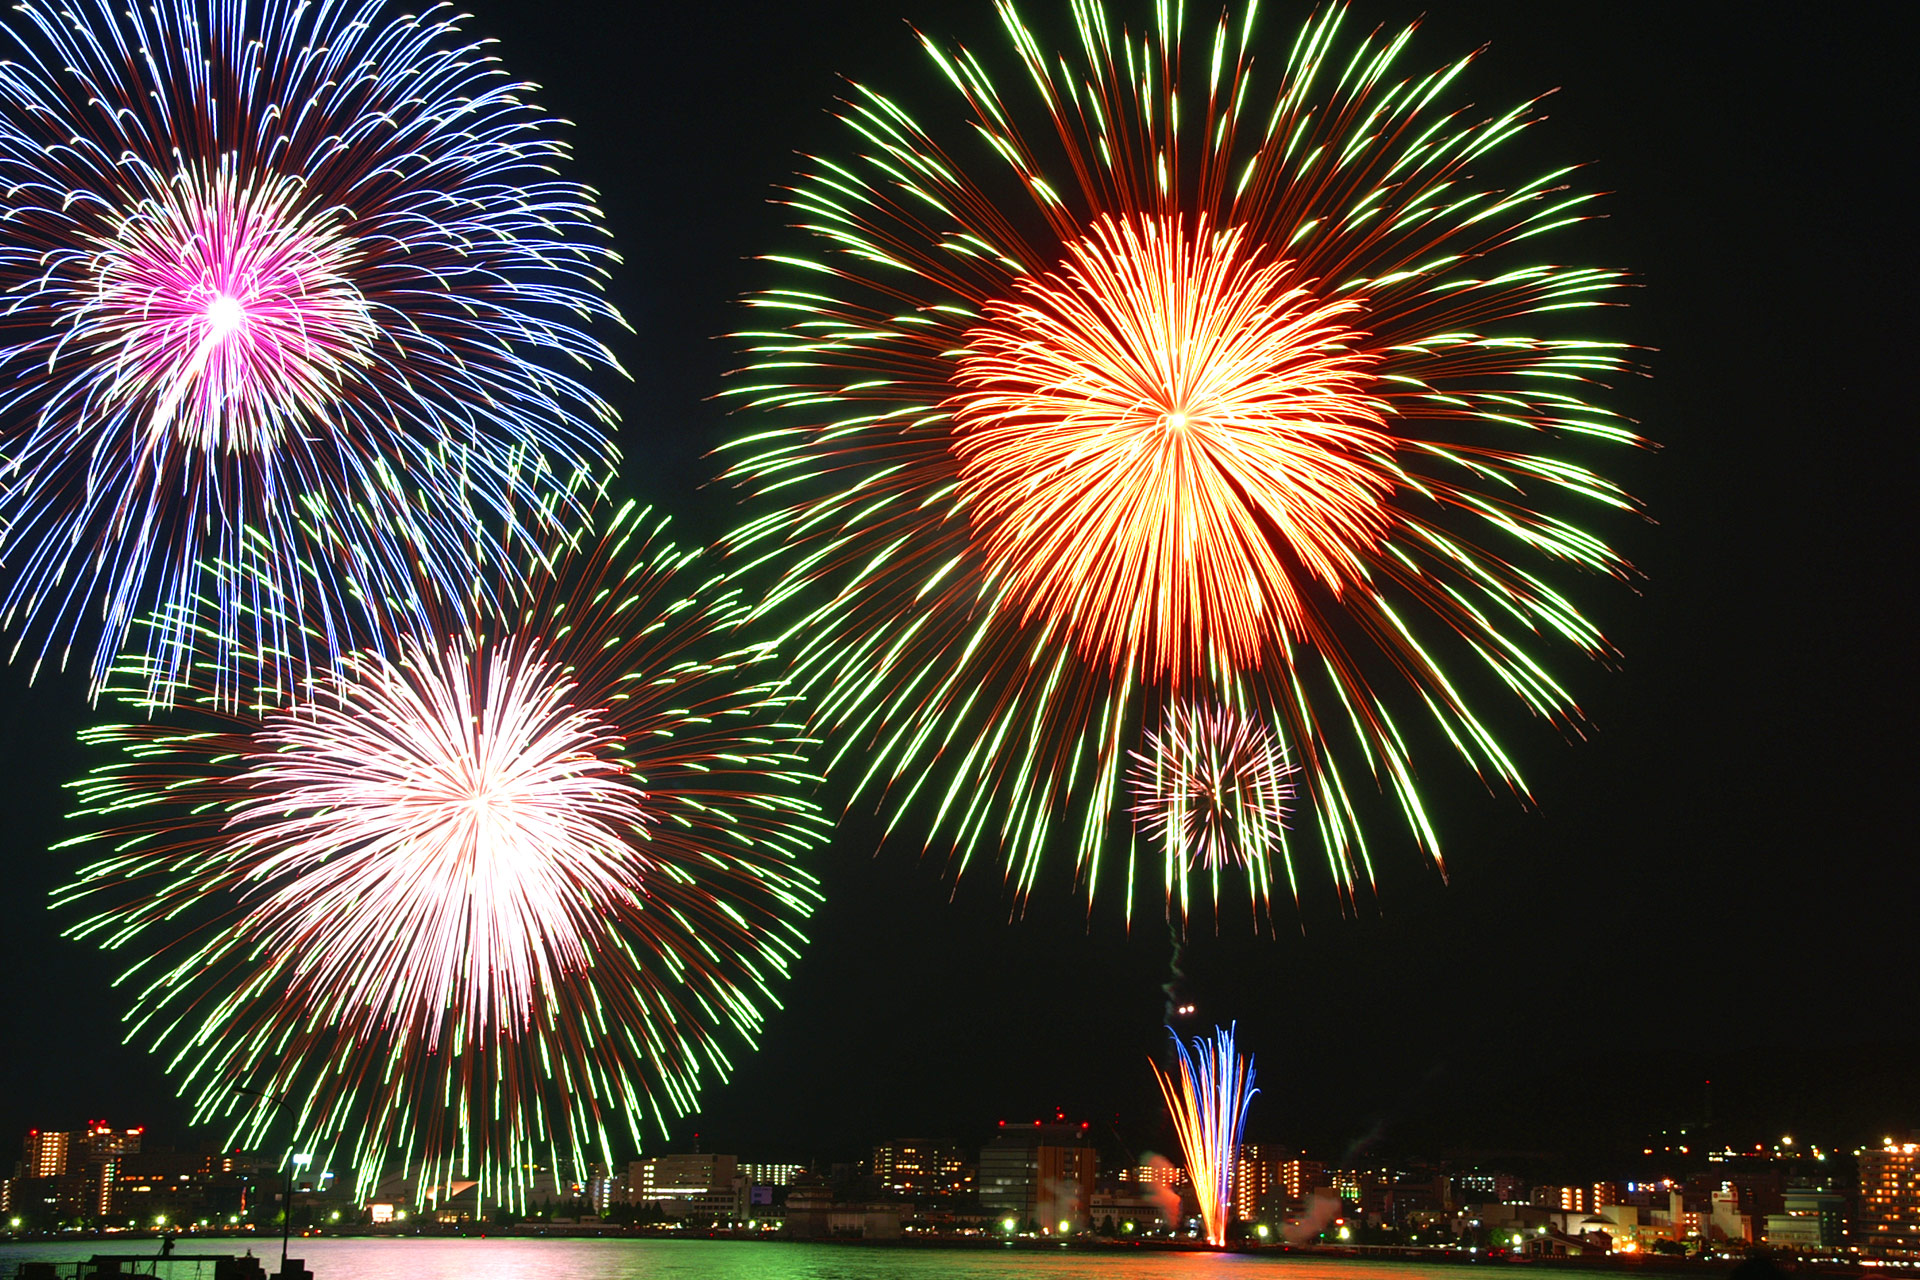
113	1266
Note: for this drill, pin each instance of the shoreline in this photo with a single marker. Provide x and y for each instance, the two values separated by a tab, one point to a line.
1642	1264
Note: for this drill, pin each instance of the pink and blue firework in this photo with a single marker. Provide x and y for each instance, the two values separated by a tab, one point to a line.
296	310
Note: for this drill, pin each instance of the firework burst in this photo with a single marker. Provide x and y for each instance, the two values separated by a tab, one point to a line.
479	902
1208	1103
294	312
1193	393
1211	790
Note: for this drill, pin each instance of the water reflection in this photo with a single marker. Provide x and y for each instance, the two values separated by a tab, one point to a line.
523	1259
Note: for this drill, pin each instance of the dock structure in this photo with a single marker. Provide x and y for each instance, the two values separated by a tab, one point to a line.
162	1266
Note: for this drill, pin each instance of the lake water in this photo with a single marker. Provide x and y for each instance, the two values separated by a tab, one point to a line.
521	1259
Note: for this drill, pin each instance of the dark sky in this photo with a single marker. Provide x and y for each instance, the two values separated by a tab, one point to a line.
1719	883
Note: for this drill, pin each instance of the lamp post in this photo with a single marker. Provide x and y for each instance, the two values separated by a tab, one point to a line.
286	1199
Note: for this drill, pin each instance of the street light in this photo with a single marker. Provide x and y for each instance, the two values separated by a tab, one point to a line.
286	1200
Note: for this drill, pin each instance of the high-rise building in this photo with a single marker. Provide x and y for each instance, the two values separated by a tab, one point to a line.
1263	1170
1040	1173
1889	1223
45	1155
72	1174
920	1168
100	1148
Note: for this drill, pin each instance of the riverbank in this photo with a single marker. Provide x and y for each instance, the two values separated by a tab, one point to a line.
1397	1257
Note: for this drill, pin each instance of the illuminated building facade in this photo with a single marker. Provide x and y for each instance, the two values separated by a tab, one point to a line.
1571	1199
1041	1174
45	1155
1889	1225
70	1176
698	1186
918	1168
1264	1171
1159	1173
659	1178
1369	1190
771	1175
1813	1219
103	1149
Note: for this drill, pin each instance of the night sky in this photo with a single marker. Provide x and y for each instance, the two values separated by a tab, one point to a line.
1718	883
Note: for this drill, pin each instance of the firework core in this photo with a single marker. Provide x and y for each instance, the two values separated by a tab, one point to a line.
1161	439
228	308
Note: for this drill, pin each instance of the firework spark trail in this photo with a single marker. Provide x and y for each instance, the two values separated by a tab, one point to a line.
295	312
1208	1104
1174	394
481	901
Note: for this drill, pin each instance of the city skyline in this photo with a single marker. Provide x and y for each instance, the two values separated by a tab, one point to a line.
909	1160
1047	1178
1711	886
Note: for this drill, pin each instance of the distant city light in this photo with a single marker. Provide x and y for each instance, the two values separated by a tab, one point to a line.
1676	1217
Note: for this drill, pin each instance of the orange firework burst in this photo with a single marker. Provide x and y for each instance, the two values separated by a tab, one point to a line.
1159	438
1190	397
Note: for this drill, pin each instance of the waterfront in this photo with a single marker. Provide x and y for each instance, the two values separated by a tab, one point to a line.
524	1259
